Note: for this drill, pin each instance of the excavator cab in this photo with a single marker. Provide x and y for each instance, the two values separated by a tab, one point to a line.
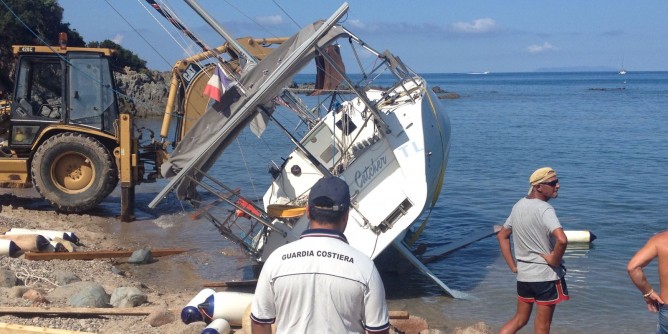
73	88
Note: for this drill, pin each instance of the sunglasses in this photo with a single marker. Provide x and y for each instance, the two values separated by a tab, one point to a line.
551	183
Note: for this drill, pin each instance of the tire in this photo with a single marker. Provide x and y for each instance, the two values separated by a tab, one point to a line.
74	172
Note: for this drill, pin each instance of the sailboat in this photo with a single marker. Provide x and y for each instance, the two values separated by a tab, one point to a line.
622	71
382	130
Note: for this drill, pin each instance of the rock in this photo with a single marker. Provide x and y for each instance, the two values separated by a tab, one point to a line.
147	91
17	291
479	328
160	316
7	278
141	256
36	296
117	271
82	294
65	277
411	325
127	297
448	95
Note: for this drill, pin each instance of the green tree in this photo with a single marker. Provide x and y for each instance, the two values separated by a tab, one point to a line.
39	22
123	57
30	22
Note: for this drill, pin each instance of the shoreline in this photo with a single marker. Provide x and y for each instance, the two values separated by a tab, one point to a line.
158	280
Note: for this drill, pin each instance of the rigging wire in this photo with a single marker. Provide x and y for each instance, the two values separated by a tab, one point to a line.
184	49
286	14
138	33
251	19
170	14
45	43
250	177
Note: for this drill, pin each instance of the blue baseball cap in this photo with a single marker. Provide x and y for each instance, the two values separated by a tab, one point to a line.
330	193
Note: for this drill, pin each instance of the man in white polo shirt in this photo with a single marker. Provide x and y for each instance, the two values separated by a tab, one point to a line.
320	284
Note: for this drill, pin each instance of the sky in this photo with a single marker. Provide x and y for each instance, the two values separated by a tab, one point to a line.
431	36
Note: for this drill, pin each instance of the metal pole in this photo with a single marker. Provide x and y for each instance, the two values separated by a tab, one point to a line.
220	30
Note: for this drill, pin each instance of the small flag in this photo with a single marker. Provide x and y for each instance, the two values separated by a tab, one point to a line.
218	84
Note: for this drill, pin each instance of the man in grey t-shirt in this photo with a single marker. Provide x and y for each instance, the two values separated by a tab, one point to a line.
539	245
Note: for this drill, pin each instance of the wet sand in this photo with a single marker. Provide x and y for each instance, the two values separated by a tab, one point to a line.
170	281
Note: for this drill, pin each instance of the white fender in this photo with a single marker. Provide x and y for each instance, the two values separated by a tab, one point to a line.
28	242
69	236
226	305
190	313
218	326
9	247
584	236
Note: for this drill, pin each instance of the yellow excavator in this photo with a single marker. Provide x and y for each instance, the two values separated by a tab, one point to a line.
62	132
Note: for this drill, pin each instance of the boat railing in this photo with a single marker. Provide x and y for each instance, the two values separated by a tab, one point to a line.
244	223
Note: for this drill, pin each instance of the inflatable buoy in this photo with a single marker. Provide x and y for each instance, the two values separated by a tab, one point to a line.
226	305
190	313
69	236
218	326
9	247
580	236
28	242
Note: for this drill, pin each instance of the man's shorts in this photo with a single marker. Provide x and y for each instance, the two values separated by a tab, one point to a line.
543	293
662	327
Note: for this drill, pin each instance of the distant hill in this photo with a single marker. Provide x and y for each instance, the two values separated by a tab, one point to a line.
578	69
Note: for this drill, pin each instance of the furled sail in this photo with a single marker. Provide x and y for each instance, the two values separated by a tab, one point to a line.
224	120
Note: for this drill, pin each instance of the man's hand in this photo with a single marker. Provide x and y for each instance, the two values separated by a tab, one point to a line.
554	258
653	301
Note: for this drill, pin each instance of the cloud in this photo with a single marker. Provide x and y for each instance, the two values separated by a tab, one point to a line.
478	26
356	24
271	20
118	39
613	33
546	47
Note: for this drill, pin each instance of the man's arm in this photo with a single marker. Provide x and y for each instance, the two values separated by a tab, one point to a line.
554	258
257	328
504	243
635	269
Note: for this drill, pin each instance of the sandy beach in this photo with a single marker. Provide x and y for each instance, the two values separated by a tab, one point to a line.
94	231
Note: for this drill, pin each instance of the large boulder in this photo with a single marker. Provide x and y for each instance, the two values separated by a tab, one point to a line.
8	278
82	294
146	91
127	297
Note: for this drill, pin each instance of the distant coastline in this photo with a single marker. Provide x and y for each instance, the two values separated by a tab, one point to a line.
577	69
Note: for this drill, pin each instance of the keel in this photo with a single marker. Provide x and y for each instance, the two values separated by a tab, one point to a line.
403	250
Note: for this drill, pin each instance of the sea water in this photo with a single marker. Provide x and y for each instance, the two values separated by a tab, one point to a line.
605	135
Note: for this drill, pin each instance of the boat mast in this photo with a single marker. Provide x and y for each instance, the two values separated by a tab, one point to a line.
253	101
220	30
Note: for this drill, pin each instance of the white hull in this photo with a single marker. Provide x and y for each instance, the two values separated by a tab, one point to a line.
394	177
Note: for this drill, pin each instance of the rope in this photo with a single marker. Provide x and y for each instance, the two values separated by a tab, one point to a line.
29	279
138	33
